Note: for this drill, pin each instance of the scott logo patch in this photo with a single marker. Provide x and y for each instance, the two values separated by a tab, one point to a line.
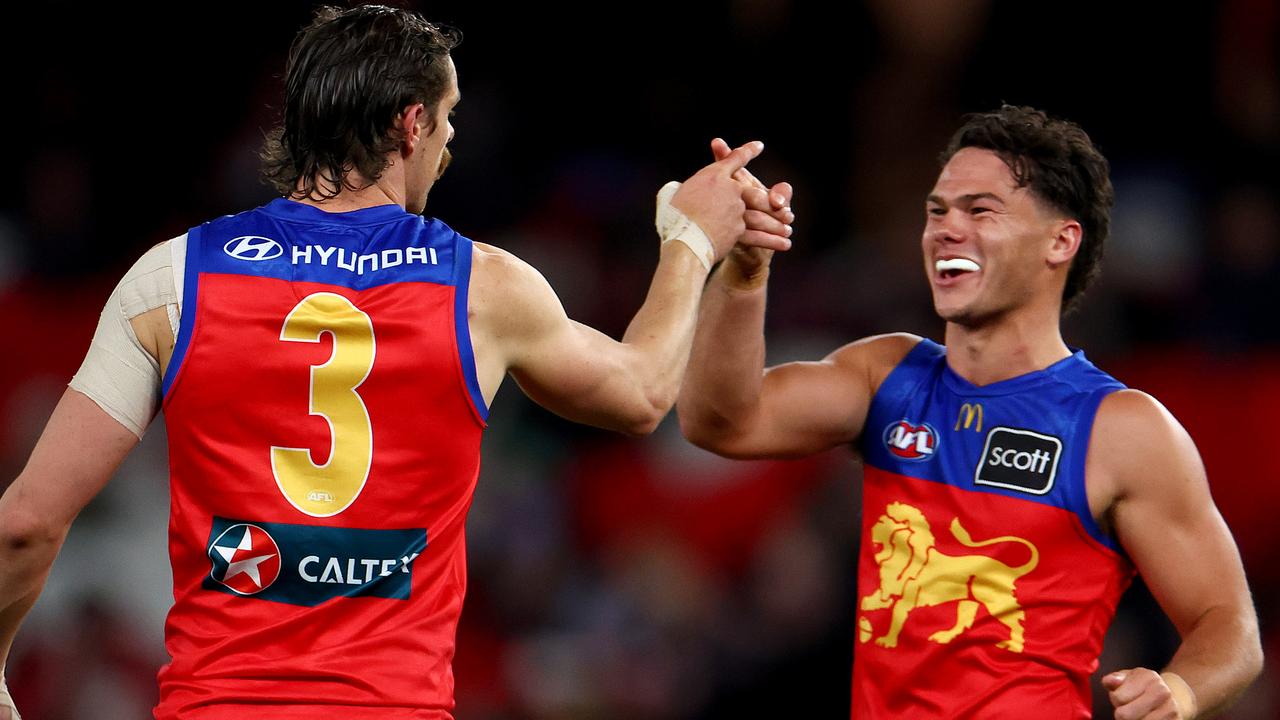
911	442
253	248
1019	460
311	564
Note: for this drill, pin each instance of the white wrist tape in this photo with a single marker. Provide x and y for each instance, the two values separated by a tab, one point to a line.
1184	698
675	225
6	701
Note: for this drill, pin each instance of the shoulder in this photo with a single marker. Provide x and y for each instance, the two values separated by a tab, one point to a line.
508	295
1136	441
499	275
875	356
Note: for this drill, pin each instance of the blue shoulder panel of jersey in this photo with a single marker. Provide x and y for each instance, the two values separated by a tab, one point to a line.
1026	437
359	249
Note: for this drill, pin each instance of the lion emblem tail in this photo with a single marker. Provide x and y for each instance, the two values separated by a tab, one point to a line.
962	536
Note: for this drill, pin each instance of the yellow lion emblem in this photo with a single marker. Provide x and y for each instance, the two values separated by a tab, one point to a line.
913	573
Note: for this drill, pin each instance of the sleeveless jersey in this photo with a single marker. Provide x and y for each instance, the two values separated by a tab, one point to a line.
324	423
984	584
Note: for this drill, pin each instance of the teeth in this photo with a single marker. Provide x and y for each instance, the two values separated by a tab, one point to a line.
958	264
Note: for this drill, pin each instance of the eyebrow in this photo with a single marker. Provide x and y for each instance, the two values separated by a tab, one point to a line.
966	199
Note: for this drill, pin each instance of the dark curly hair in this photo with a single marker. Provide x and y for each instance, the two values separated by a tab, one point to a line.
350	72
1061	166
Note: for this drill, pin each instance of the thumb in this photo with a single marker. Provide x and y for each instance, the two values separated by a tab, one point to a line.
742	155
720	149
1114	680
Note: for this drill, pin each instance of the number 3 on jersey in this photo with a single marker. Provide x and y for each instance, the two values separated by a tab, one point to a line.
328	489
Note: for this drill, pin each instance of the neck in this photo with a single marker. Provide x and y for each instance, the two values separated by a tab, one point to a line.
384	191
1016	344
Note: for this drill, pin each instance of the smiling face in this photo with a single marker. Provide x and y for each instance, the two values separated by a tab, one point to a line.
991	247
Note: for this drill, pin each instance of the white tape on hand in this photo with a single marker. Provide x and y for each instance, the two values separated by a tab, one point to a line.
675	225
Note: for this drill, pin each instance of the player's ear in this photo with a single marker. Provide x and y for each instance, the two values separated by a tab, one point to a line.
1065	243
412	122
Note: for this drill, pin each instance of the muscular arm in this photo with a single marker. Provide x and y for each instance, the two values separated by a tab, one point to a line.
78	452
1165	517
574	370
730	404
519	326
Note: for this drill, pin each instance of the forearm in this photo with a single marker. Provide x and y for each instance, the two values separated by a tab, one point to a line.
726	368
1218	658
11	617
660	335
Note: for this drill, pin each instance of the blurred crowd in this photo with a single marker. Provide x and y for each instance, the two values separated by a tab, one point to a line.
623	578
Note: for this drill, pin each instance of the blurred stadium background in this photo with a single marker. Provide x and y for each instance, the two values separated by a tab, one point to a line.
619	578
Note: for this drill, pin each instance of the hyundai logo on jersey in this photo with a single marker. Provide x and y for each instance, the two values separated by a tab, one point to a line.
308	565
253	248
1019	460
911	442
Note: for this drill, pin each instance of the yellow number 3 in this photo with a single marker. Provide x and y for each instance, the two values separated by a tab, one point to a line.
328	489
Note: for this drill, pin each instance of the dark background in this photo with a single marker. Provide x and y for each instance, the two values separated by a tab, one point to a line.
617	578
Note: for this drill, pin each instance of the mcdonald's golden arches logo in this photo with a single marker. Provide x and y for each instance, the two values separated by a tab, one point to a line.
969	412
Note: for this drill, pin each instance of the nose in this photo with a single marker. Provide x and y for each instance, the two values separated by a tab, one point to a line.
946	228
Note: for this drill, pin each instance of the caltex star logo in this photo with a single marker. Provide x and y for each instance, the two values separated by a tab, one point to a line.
245	559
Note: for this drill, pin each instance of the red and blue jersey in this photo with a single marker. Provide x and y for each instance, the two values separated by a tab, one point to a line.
324	422
985	586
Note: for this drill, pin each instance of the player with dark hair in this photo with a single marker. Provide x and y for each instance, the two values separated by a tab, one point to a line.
1011	489
325	363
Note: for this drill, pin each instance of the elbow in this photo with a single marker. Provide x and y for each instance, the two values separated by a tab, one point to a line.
706	433
28	543
644	422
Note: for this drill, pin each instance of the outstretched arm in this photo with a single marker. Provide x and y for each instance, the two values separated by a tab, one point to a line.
1165	517
582	374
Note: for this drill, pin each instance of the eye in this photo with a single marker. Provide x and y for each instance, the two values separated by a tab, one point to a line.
979	210
937	211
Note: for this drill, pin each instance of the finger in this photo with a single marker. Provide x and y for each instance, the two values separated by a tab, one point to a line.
1114	680
780	194
740	156
761	239
1134	686
1141	707
757	220
756	199
720	149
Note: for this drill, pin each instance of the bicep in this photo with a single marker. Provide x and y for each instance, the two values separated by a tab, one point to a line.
808	407
1168	523
569	368
76	455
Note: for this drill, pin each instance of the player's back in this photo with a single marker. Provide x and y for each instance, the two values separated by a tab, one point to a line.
324	424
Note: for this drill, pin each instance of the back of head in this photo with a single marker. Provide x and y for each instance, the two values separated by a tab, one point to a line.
1058	162
350	72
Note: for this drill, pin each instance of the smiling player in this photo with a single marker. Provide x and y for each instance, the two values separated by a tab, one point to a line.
1011	488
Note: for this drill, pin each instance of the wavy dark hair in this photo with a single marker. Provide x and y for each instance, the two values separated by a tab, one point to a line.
1061	166
349	74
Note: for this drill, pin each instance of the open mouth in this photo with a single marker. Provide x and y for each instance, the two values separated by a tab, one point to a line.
951	268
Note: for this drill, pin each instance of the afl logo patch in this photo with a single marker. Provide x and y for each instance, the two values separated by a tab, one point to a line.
1019	460
253	248
911	442
245	559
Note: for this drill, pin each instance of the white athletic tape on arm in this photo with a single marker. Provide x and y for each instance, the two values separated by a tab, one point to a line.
118	373
1184	698
6	701
675	225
